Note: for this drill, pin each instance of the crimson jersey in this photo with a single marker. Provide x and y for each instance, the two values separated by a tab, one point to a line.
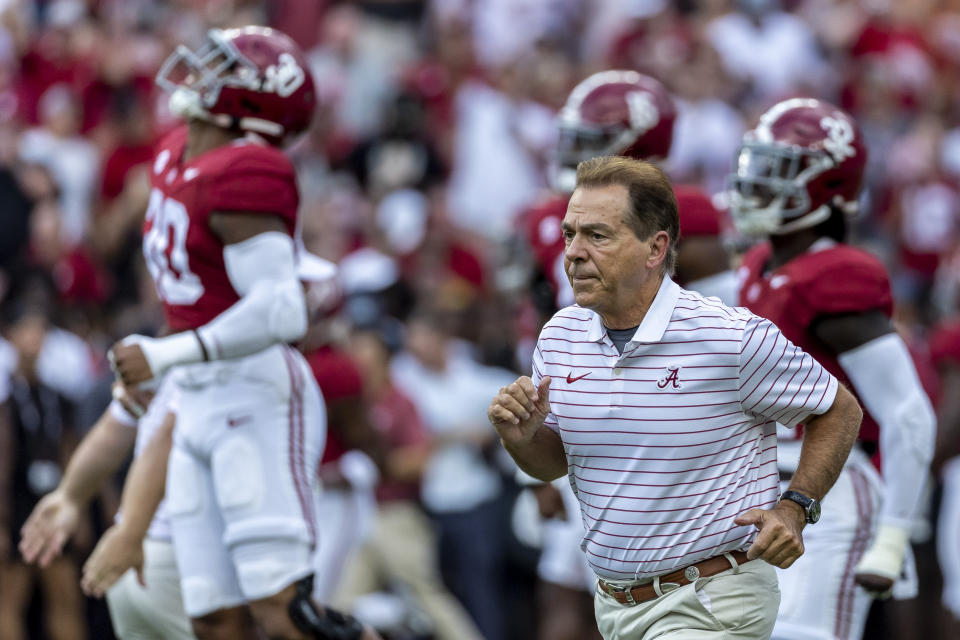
183	255
545	237
543	230
838	279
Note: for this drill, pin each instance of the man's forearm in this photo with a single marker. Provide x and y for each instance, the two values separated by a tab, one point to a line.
146	481
99	455
827	440
543	457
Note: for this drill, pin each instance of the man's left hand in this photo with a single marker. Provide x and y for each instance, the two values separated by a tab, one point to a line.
129	363
116	552
780	541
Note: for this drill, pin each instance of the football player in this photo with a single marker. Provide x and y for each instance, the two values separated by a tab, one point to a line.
609	113
796	181
219	244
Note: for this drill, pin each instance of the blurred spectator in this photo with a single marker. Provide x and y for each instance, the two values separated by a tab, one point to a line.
347	467
42	434
702	92
924	212
506	30
362	55
496	145
774	51
460	486
72	160
66	362
401	551
15	208
78	278
399	155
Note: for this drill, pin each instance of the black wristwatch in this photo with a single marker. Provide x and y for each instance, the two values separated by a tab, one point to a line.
811	506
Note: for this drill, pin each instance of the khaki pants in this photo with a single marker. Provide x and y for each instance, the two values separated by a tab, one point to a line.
402	548
738	604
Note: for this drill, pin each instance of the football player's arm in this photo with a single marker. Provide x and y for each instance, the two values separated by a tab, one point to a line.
877	362
98	456
121	546
259	257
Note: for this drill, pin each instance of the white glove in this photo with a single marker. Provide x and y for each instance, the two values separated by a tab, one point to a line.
359	470
882	563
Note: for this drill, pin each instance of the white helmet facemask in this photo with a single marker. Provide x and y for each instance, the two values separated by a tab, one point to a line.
194	79
768	191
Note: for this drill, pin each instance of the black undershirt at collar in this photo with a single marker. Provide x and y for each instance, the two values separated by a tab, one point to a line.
620	337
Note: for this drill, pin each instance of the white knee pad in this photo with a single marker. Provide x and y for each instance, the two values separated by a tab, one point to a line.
266	567
201	596
238	474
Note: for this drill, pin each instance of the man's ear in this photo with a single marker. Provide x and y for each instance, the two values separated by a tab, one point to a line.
659	245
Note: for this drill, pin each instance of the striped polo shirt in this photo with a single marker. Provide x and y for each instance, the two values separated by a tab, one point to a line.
667	443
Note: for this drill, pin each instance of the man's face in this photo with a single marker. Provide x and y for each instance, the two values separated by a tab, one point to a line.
607	264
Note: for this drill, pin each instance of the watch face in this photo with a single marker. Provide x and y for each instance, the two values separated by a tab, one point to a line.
813	513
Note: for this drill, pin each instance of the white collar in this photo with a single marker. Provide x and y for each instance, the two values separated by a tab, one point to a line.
655	320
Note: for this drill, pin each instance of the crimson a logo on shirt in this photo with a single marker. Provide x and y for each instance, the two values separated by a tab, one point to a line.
672	376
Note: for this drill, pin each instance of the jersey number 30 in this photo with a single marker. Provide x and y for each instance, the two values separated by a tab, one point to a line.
165	251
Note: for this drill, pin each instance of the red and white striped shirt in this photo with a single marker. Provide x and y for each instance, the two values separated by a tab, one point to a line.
667	443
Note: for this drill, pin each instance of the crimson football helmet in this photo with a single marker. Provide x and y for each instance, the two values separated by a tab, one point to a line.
613	113
805	158
253	78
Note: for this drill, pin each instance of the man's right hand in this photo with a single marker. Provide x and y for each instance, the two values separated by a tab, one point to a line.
50	525
518	411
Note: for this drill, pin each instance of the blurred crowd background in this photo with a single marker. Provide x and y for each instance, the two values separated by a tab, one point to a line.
432	142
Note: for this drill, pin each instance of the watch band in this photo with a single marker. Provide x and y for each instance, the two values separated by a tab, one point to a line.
811	507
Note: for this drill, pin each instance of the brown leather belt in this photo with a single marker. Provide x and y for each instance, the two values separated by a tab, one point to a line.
680	577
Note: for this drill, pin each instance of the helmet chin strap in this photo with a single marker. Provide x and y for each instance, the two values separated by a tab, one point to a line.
187	104
806	221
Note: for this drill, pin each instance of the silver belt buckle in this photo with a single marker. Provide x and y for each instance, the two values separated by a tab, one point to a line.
691	573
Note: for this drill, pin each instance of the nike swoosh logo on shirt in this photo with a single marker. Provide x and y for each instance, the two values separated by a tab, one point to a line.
572	380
